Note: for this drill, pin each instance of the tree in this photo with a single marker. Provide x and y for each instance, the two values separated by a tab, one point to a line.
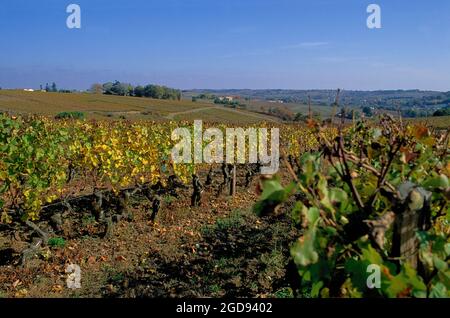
107	88
154	91
442	112
151	91
300	117
118	88
122	89
139	91
97	88
367	111
47	88
54	88
129	90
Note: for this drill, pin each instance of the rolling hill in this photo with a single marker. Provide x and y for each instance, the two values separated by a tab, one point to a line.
116	107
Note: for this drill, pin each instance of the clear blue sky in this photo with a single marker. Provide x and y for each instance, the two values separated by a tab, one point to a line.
227	44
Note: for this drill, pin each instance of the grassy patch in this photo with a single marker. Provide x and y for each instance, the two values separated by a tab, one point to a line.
215	289
88	220
235	220
117	277
168	199
58	242
70	115
285	292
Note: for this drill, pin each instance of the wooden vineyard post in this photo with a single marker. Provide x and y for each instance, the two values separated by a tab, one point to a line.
405	244
413	217
233	182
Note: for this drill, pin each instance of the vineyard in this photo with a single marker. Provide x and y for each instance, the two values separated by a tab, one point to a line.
373	196
112	107
346	197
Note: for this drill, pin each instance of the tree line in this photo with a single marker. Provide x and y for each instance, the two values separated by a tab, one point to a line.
126	89
443	111
52	88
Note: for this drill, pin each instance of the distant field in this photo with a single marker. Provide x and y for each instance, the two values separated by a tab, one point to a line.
439	122
324	111
226	115
115	107
94	106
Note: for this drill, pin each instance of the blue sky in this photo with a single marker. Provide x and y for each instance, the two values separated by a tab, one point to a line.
291	44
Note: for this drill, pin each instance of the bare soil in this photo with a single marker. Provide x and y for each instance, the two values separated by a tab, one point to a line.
220	249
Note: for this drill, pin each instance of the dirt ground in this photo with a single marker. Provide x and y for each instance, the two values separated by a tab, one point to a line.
220	249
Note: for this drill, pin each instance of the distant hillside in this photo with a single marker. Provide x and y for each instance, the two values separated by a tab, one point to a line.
425	102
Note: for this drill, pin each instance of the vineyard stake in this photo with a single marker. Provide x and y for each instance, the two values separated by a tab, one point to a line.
233	182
